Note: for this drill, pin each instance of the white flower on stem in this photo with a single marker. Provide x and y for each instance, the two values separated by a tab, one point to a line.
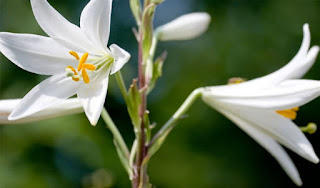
265	107
66	107
185	27
76	57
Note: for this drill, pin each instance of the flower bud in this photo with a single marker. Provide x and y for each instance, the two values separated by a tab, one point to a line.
184	27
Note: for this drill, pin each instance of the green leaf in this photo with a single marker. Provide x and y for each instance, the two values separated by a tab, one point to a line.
147	29
157	1
157	145
146	121
136	10
157	71
134	101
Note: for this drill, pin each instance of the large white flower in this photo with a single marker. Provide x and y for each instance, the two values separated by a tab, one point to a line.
264	107
77	57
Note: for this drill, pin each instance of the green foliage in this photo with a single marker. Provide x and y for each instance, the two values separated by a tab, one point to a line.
133	104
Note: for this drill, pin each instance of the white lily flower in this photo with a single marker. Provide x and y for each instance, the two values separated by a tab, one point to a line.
185	27
77	57
66	107
265	107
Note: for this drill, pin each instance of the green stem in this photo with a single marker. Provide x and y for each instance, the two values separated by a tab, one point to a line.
116	134
121	85
171	123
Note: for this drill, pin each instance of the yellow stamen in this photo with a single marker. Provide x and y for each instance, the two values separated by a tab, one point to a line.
289	113
89	66
82	66
85	76
75	73
82	61
74	54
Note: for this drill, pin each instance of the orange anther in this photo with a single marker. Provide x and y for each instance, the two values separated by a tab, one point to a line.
82	61
289	113
74	54
85	76
89	66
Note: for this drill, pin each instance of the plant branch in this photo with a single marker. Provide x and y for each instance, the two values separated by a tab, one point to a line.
171	123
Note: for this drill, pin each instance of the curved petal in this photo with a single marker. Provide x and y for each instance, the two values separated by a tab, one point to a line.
49	92
95	21
277	127
57	27
286	95
37	54
296	68
93	95
270	145
66	107
121	57
299	63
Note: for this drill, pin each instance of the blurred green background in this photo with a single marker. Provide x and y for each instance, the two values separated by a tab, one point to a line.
247	38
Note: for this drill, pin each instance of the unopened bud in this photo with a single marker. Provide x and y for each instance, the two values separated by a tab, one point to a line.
184	27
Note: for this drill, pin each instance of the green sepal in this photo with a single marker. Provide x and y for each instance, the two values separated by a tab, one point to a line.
134	101
157	71
135	6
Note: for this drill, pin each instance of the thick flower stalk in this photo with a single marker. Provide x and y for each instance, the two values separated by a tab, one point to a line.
77	58
66	107
265	107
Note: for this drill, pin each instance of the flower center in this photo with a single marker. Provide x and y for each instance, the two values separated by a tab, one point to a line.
81	71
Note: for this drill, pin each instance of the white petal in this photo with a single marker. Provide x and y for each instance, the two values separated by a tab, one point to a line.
185	27
120	56
277	127
286	95
95	21
37	54
49	92
57	27
66	107
270	145
93	95
296	68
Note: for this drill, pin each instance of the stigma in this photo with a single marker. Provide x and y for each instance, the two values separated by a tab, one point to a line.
81	71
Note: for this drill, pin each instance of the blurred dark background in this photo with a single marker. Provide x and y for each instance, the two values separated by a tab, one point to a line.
247	38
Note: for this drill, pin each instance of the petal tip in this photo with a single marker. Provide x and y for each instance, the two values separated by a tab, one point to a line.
299	183
93	122
309	153
13	117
